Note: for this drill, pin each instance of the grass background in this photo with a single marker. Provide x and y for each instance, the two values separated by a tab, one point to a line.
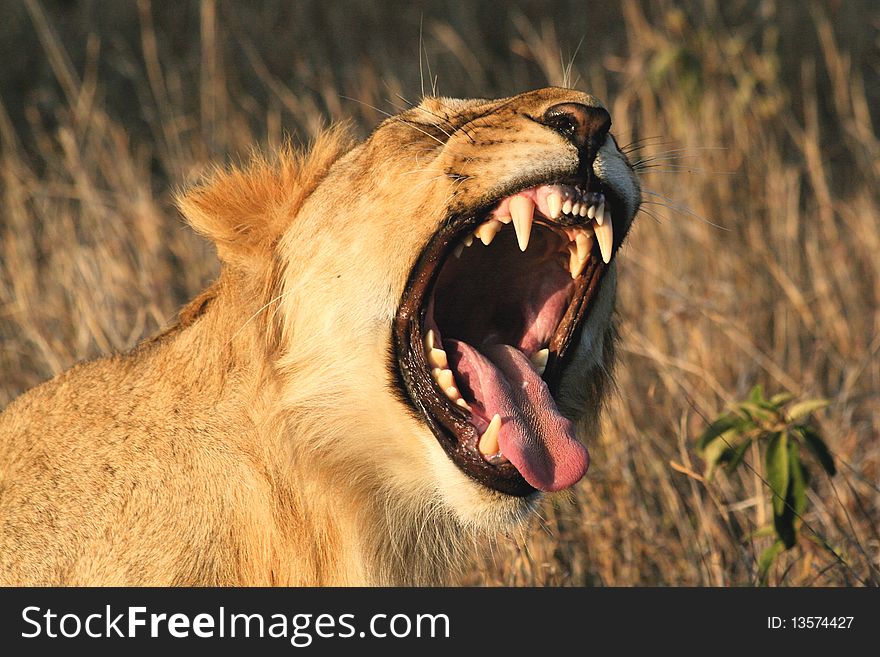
756	258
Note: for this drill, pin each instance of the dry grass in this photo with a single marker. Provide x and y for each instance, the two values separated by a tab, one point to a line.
755	261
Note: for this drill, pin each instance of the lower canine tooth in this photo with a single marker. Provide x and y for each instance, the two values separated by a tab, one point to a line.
575	264
605	235
489	440
430	337
584	243
539	360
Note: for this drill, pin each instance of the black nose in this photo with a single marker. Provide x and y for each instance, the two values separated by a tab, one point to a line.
583	126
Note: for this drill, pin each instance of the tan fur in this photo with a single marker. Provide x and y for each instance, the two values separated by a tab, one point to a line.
259	440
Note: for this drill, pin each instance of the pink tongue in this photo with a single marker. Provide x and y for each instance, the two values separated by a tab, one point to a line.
534	436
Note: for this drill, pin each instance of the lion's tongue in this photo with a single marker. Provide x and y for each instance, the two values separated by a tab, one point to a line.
534	436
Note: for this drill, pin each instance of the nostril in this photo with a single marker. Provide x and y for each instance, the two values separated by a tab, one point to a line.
582	125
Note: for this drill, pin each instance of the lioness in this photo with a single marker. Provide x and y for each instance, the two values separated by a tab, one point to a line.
406	341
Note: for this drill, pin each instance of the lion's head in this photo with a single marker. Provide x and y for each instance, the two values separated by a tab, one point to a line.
439	297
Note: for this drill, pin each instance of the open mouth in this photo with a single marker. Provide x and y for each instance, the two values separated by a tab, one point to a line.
481	335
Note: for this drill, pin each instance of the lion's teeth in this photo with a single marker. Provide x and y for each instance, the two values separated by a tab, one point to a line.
591	211
522	210
600	214
575	264
566	207
584	243
444	377
605	236
461	402
503	218
458	250
583	211
437	358
539	360
452	393
554	204
429	340
576	209
469	239
489	440
487	231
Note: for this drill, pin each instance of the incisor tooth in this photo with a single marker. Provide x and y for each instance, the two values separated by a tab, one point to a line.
576	209
461	402
457	250
487	231
452	393
489	440
522	210
566	207
600	214
539	360
583	211
437	358
591	211
469	239
554	205
605	235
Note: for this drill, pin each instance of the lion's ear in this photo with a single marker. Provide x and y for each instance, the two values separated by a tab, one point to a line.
245	209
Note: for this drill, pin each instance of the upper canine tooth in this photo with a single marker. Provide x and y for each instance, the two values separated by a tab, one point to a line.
605	235
489	440
554	204
566	207
488	230
522	210
600	214
539	360
437	358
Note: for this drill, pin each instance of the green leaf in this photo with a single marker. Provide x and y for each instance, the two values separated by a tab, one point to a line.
756	410
768	556
733	456
722	425
781	399
763	532
804	408
757	394
797	492
818	447
776	464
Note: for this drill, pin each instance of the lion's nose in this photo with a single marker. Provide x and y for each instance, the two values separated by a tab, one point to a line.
583	126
